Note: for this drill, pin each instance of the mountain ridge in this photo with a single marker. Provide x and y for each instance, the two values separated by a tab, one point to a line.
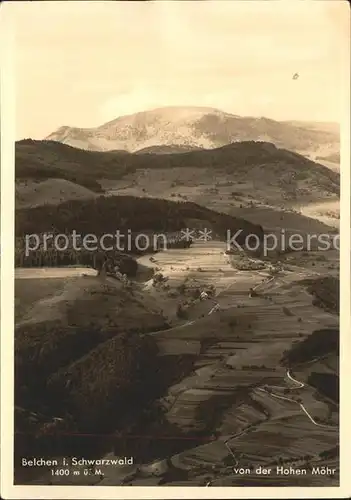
196	127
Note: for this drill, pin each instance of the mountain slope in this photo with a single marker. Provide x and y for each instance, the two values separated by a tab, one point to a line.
50	159
167	149
195	127
236	176
31	193
106	215
41	160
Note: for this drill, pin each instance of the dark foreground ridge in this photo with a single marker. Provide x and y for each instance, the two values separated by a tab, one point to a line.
47	159
326	292
106	215
317	345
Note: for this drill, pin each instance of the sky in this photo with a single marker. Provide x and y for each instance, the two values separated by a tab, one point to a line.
85	63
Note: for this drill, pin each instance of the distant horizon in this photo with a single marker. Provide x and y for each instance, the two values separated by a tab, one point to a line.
85	64
180	106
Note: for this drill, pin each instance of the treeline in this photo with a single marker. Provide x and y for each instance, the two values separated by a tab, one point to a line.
48	254
257	367
87	368
34	156
106	215
326	383
331	452
50	159
52	257
319	343
325	291
84	380
57	366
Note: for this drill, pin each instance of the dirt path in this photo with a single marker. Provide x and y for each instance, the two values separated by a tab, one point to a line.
274	283
53	272
232	287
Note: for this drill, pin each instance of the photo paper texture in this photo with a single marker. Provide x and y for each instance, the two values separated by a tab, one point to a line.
178	171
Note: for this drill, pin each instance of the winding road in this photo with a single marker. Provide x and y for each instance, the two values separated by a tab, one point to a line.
270	393
303	408
268	389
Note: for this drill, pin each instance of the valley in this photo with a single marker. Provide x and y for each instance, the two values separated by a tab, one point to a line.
195	364
176	170
255	179
234	394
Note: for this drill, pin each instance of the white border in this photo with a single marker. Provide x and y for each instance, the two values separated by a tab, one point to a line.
8	490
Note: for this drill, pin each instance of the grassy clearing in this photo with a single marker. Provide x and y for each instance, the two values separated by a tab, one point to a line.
30	291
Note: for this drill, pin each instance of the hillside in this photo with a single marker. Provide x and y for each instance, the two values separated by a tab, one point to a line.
42	160
170	149
49	159
32	193
214	390
318	344
194	127
325	290
253	180
325	126
106	215
77	345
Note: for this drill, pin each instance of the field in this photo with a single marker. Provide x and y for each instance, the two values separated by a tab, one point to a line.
200	365
260	199
227	400
270	186
176	248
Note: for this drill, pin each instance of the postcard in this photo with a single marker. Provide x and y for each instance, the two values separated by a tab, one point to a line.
175	249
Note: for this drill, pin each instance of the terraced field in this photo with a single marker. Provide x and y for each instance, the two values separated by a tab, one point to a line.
234	406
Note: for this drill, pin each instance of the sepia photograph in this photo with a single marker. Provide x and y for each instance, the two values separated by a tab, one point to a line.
176	244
